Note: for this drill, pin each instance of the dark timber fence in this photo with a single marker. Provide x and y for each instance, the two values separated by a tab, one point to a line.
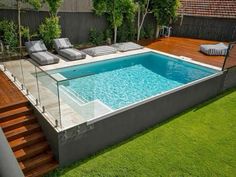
76	25
220	29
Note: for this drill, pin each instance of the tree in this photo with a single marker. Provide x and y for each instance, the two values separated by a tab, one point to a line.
144	9
165	12
116	11
54	5
50	28
36	5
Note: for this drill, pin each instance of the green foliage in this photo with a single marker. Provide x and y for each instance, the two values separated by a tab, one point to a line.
8	33
54	6
96	37
149	31
25	32
165	11
116	11
37	4
49	30
127	31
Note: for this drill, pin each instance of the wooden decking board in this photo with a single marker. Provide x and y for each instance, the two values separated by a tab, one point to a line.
184	47
9	94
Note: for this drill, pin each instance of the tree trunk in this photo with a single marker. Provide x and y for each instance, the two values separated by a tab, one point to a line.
19	23
138	31
140	24
157	31
115	34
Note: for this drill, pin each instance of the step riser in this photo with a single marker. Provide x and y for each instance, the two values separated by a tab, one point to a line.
7	118
28	143
11	138
46	160
17	125
29	155
14	106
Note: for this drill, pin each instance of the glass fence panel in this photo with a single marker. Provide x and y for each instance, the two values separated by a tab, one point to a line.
12	62
78	101
49	100
30	79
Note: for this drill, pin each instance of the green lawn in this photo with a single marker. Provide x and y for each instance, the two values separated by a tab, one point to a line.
200	142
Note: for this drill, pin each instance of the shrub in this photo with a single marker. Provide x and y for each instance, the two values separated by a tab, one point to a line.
8	33
49	30
25	32
126	32
96	37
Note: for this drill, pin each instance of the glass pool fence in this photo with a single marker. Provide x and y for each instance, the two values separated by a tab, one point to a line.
47	91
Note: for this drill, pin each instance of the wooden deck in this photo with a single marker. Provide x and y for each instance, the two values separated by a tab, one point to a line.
9	94
184	47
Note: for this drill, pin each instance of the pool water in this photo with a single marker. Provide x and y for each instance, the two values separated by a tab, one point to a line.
123	81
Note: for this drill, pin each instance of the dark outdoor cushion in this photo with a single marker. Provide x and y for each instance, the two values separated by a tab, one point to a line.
62	43
100	50
72	54
44	58
127	46
35	46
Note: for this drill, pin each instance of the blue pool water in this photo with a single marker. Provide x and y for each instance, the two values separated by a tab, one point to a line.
122	81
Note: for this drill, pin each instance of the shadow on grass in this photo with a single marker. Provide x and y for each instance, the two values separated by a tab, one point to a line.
62	171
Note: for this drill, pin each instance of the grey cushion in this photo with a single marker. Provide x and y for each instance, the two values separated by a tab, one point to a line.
127	46
62	43
72	54
44	58
35	46
100	50
215	49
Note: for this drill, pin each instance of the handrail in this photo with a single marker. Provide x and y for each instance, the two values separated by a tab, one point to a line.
232	46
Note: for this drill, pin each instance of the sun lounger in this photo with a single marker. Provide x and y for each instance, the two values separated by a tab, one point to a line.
127	46
100	50
65	49
215	49
38	52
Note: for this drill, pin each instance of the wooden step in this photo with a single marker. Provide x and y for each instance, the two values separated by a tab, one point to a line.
36	161
14	105
22	131
17	122
42	170
26	140
12	114
31	151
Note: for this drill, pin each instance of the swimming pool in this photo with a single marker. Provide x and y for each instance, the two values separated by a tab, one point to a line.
123	81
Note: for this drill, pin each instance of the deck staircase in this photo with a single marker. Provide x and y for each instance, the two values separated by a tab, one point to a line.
26	139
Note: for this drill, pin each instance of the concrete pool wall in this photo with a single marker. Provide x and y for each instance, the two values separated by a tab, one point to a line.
86	139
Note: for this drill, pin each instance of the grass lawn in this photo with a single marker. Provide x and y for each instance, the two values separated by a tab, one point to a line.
200	142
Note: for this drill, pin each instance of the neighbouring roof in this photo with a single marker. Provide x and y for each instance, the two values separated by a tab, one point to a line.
209	8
